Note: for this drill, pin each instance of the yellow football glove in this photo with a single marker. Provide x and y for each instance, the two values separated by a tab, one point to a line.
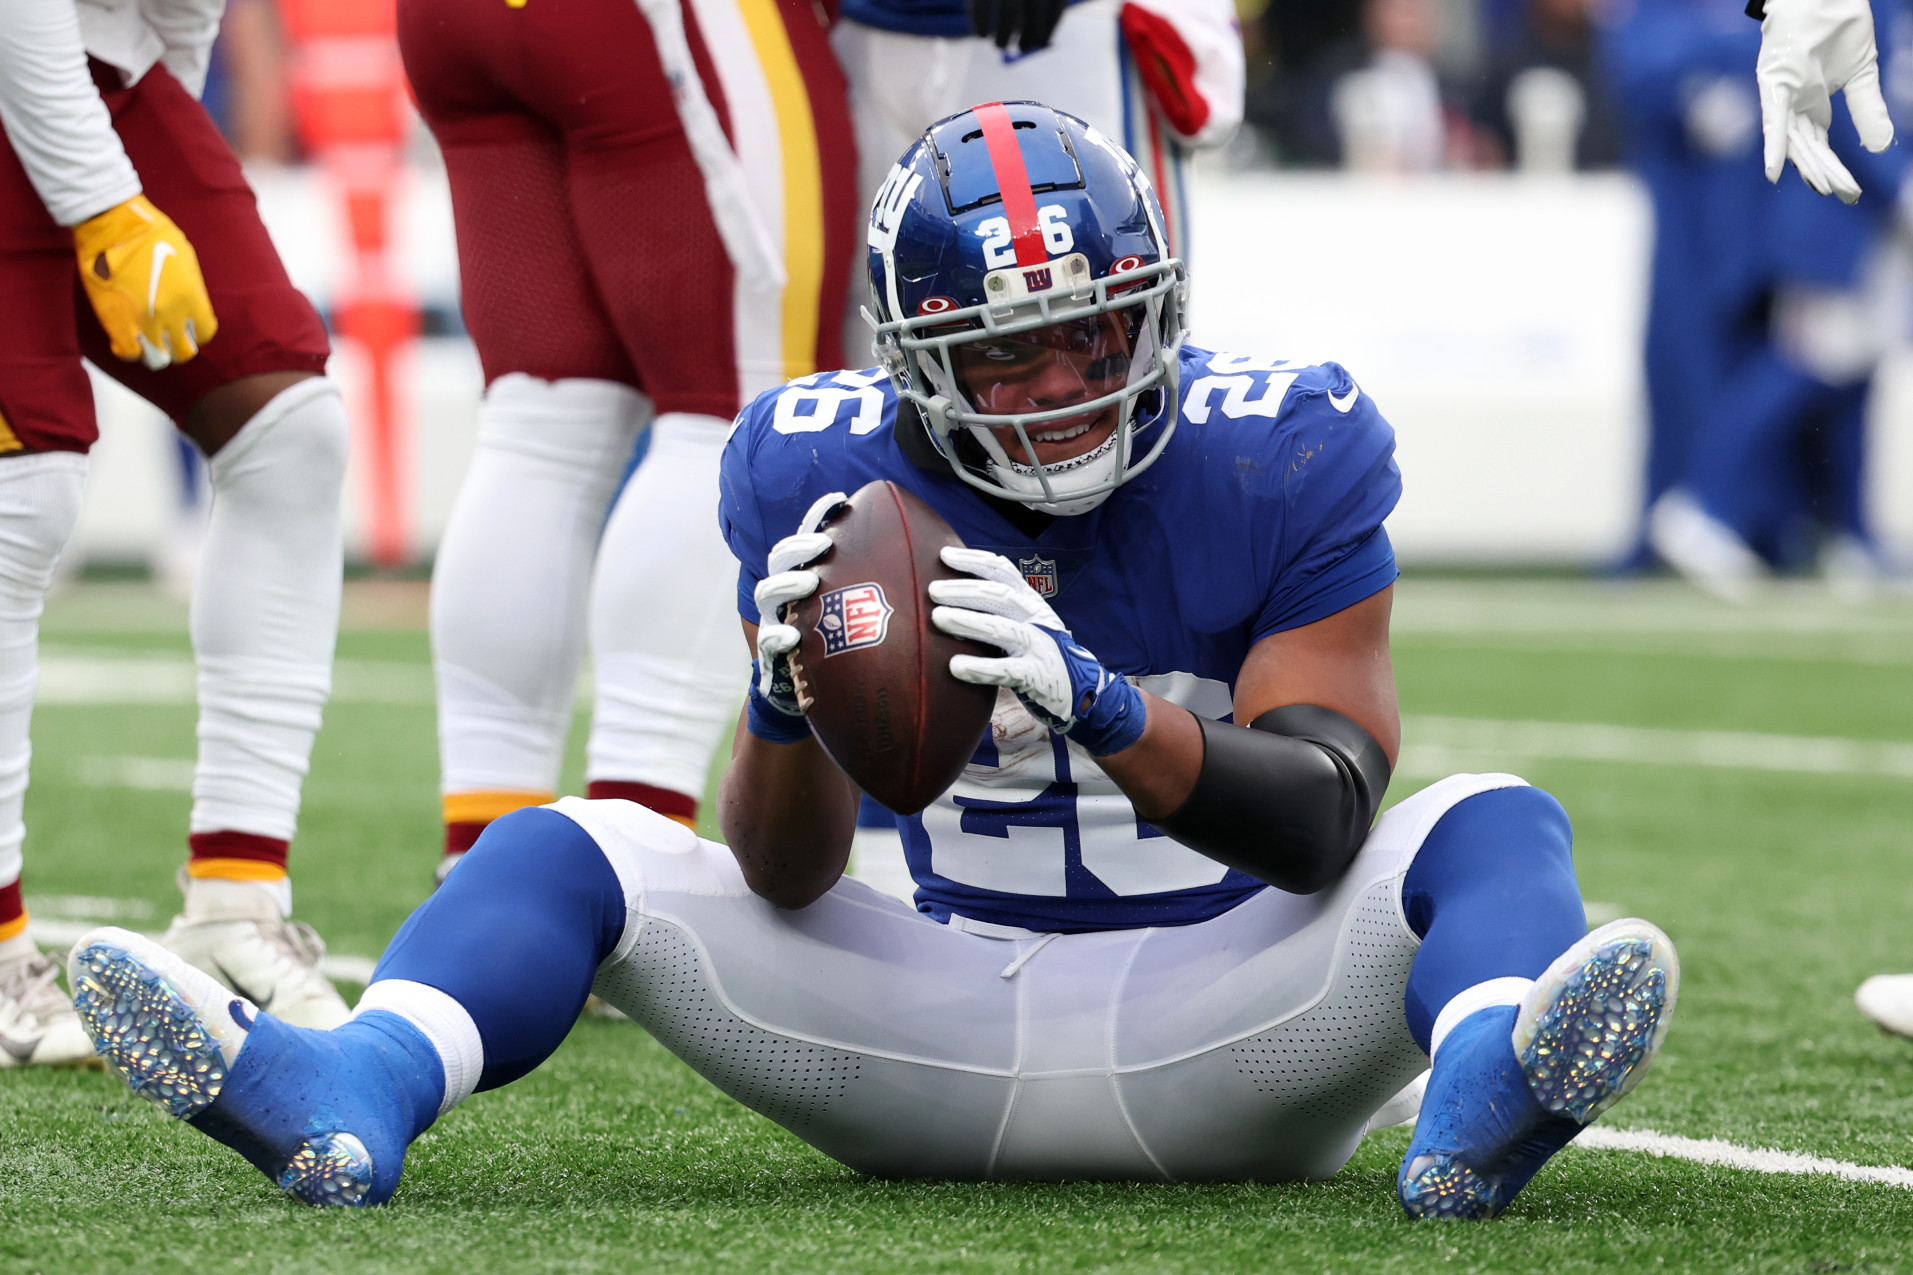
143	279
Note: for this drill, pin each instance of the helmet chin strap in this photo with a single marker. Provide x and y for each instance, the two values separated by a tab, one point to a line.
1093	473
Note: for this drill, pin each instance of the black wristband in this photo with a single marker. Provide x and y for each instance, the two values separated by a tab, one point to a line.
1757	10
1288	801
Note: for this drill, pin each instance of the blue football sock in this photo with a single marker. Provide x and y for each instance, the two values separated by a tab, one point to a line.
1492	894
515	935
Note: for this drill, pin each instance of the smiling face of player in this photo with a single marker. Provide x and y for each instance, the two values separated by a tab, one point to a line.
1077	361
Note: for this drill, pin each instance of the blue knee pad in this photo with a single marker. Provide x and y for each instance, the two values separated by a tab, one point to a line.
1492	894
515	935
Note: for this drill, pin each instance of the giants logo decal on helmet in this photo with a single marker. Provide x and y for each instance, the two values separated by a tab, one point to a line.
1009	235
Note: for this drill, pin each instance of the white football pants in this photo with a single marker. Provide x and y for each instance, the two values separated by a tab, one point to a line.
1256	1045
39	503
265	610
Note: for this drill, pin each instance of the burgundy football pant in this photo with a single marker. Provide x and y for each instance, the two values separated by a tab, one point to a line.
190	174
586	243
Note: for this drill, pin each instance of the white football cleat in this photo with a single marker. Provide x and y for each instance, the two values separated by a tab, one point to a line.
1888	1000
237	932
1704	549
38	1027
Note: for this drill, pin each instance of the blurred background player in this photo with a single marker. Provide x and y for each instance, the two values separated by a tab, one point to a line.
113	173
1770	309
620	255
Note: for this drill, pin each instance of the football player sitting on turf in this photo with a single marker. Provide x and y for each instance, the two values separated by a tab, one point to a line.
1148	943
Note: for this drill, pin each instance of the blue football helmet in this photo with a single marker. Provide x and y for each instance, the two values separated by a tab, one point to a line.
1024	295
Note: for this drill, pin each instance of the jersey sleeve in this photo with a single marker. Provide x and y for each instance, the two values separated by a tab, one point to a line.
188	29
53	115
1337	480
740	515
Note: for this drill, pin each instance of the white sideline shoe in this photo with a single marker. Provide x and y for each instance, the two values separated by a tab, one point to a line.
1888	1000
237	932
38	1027
1703	548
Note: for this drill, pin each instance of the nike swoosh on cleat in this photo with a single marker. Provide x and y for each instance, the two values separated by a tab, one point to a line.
238	1011
163	250
263	1002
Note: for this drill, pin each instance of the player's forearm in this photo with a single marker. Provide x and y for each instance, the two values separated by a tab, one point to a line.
53	115
1158	772
788	814
1289	800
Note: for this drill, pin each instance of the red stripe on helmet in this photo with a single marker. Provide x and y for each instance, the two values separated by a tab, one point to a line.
1013	180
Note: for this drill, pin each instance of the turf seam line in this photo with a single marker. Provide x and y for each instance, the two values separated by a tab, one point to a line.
1727	1155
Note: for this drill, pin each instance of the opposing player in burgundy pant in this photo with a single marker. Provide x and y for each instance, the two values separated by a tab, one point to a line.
616	263
117	197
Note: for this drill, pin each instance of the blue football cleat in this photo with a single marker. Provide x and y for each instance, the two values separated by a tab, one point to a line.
326	1115
1515	1084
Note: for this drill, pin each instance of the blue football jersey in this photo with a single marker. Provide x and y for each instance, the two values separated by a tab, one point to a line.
1264	513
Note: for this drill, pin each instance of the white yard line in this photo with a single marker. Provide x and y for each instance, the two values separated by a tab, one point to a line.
147	677
1728	1156
1441	745
1665	607
150	774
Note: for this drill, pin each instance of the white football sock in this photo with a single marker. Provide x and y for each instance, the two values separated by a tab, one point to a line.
669	658
443	1022
1472	1000
39	502
265	615
509	587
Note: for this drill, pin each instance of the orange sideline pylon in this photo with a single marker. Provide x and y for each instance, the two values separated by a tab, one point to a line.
349	98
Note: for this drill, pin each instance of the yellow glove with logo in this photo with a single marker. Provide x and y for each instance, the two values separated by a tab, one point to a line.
143	279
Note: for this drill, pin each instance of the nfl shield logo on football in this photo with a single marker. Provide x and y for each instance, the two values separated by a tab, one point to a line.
1040	572
853	618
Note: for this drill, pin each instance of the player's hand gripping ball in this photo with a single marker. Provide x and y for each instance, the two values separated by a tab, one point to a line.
788	580
143	279
851	625
1055	677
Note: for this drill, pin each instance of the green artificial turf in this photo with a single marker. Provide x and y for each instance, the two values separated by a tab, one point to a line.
1781	889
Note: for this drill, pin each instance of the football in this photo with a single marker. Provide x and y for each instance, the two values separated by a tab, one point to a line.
872	672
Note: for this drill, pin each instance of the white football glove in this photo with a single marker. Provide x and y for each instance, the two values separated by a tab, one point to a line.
788	582
1058	680
1809	50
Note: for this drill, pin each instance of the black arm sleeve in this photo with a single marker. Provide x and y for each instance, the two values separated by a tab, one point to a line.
1287	801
